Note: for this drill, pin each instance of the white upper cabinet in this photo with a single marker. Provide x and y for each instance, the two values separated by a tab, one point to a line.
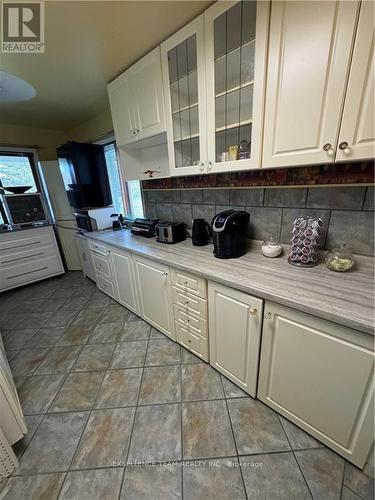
236	51
148	95
357	134
183	63
136	99
309	56
122	102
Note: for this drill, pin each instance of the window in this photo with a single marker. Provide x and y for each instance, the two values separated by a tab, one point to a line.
17	169
130	204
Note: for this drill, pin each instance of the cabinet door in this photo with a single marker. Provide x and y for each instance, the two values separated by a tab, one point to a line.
235	320
155	297
121	99
357	134
124	280
320	376
236	51
147	89
183	64
309	55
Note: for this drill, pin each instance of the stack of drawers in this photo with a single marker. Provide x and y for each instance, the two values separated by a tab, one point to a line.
190	311
103	268
27	256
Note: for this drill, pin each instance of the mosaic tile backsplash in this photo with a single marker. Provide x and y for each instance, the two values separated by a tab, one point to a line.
347	212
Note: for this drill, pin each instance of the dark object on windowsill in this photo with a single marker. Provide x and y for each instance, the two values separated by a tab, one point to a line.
17	189
116	223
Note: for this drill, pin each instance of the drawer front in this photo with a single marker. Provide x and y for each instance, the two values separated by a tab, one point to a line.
189	303
97	247
190	283
196	324
28	272
194	343
101	265
24	255
22	243
106	286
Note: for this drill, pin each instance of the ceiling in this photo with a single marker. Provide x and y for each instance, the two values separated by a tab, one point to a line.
87	44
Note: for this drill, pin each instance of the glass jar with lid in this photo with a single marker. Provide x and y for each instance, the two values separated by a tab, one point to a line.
339	258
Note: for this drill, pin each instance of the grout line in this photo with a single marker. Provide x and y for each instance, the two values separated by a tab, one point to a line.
233	435
181	430
132	427
294	455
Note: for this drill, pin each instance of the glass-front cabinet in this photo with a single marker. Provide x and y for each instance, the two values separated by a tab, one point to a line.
183	66
214	78
236	50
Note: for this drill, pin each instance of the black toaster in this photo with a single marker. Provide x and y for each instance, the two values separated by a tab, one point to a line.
170	232
144	227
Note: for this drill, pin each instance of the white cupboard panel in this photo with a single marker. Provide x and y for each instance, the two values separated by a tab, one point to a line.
235	321
357	127
192	341
106	286
147	89
308	63
320	376
236	52
124	280
183	66
102	265
121	99
155	297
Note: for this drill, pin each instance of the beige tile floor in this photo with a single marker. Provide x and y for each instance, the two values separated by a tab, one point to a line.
115	410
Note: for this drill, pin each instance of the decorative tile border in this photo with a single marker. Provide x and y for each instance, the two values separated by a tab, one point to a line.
343	173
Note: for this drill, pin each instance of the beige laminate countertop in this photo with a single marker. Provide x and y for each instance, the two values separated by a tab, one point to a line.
345	298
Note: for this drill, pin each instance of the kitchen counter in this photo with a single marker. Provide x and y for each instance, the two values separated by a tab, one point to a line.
345	298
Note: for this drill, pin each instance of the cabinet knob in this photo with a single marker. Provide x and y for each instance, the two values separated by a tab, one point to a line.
344	146
201	166
189	341
253	311
329	149
165	274
209	165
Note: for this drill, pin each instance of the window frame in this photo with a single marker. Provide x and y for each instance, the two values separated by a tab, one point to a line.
32	154
107	140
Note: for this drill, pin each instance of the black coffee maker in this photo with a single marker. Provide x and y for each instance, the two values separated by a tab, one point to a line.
230	233
201	232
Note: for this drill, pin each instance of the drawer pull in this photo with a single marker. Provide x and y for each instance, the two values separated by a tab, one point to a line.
253	311
29	272
26	257
24	245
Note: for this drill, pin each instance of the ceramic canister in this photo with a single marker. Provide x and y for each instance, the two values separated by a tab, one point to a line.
304	249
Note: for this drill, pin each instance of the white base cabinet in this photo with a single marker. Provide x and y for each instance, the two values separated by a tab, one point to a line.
320	376
124	280
235	322
155	296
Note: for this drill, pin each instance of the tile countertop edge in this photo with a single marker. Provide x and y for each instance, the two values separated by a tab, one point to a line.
323	283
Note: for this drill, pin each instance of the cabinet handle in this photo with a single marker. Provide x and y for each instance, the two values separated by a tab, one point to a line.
165	274
344	146
253	311
209	165
201	166
189	341
329	149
